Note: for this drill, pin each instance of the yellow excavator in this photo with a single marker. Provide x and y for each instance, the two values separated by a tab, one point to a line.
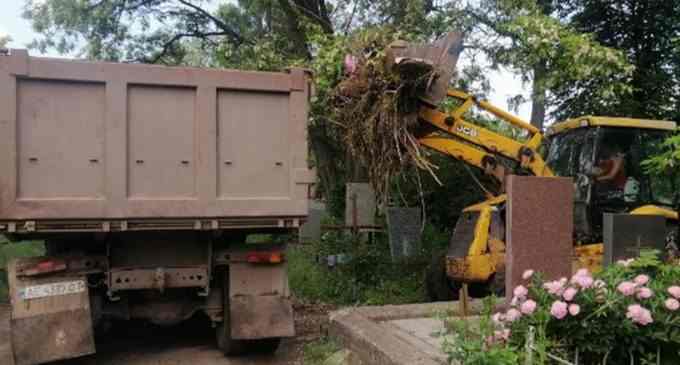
603	155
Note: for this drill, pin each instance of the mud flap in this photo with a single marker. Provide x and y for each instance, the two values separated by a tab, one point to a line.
259	301
255	317
51	317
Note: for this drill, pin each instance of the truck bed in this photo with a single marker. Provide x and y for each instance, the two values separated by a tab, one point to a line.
93	146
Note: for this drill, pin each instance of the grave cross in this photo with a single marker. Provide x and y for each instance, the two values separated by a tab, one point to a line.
638	247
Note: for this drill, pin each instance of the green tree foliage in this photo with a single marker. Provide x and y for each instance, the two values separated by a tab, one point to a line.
528	37
157	30
648	33
668	161
4	40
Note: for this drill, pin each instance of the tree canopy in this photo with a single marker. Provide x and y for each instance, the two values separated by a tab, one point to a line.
4	39
539	39
647	32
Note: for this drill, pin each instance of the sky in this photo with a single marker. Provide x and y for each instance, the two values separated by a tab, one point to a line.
503	83
13	24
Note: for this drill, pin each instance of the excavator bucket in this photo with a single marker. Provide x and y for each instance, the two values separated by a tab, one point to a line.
441	55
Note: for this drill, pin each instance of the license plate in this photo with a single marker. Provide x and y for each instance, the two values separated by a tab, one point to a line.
51	290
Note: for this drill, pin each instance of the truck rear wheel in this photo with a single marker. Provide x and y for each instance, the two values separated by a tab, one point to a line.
266	345
228	345
225	342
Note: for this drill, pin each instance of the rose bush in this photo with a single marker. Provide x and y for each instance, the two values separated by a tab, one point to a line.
630	310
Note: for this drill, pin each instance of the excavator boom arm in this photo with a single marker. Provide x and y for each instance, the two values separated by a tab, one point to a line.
471	143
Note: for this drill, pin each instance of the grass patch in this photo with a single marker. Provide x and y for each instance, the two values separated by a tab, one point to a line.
316	352
369	279
12	250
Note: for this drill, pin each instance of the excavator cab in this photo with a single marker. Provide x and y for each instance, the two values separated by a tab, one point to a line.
605	158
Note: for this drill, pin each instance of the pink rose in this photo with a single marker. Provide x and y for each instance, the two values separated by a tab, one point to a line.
498	337
554	287
672	304
574	309
528	307
501	335
584	282
569	294
512	315
626	288
350	64
582	272
674	291
559	309
528	274
644	293
641	279
582	278
515	301
625	263
639	315
498	318
520	292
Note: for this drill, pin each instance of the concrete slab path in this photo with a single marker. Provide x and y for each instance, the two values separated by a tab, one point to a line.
395	335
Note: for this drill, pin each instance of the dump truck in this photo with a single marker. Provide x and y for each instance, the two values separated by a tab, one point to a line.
145	182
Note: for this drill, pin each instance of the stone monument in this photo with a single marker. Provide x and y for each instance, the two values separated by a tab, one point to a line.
539	226
626	234
311	230
361	196
404	228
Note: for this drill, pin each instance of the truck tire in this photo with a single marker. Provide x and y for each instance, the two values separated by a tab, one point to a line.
228	345
438	286
266	345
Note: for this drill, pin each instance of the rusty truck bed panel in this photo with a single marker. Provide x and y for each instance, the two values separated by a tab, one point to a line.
105	141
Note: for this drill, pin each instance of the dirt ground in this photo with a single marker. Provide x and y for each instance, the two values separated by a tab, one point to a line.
193	343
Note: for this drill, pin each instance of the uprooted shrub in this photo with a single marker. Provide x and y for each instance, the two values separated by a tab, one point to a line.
630	310
376	107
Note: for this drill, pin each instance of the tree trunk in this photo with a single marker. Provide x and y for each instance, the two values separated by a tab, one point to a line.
295	31
538	95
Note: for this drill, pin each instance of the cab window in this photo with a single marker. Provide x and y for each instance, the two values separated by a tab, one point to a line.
657	189
564	152
619	174
615	171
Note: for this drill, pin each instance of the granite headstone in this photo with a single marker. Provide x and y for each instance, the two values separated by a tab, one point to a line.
539	225
363	196
311	230
403	226
626	234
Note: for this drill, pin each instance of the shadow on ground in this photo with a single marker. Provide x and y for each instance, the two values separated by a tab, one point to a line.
189	343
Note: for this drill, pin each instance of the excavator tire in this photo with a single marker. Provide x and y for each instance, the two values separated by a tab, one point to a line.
438	286
497	284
